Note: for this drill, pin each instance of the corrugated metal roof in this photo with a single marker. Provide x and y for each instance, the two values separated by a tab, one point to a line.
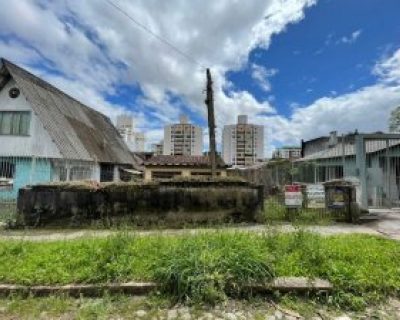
79	132
371	146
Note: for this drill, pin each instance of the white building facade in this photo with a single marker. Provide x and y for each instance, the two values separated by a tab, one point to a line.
287	152
242	143
183	139
134	140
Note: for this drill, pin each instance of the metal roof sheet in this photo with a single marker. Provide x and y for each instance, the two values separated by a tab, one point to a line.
79	132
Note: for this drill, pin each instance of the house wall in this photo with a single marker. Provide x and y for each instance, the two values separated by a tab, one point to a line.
184	172
27	171
38	143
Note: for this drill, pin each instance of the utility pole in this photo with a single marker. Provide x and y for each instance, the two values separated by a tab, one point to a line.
211	124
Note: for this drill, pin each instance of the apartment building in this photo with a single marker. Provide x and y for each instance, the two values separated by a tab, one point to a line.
242	143
158	148
183	139
287	152
134	140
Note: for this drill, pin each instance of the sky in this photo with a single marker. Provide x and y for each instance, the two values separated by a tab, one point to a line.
301	68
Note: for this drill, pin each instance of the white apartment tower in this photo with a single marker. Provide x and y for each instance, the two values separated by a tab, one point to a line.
242	143
134	140
183	138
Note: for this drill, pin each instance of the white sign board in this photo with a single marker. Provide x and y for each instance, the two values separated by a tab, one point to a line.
293	196
315	196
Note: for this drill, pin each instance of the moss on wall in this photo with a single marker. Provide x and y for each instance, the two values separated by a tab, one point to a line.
170	203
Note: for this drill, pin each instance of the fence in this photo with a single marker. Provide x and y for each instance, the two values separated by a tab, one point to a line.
310	203
18	172
370	161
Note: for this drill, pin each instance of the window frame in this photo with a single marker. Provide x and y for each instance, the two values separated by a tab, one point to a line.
22	121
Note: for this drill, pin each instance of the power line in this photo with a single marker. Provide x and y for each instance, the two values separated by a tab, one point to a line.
155	35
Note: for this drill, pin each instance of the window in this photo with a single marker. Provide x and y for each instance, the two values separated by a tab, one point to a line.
7	173
15	123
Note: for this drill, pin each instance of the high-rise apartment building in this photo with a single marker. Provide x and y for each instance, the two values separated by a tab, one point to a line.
242	143
134	140
183	138
158	148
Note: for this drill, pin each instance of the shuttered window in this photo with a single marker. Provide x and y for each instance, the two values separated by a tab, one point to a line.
15	123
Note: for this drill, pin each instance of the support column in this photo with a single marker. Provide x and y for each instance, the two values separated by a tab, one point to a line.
362	169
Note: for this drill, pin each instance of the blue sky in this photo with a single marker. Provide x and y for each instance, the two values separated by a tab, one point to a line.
313	58
299	67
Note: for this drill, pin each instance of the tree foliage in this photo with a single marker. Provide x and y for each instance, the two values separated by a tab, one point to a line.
394	120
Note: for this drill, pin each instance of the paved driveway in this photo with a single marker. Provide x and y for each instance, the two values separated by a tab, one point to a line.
388	223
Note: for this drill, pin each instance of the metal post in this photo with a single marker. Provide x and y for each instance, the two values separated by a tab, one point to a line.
315	173
343	156
361	168
388	175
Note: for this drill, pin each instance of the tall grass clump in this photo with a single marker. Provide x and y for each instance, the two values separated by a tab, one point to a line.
276	212
209	267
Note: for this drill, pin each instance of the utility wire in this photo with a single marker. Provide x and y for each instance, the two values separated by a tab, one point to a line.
155	35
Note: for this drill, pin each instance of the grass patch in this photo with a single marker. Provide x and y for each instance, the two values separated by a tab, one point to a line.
206	271
209	266
276	212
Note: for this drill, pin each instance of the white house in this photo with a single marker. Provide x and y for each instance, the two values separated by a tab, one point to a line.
45	135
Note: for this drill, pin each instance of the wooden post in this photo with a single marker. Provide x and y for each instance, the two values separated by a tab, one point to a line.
211	123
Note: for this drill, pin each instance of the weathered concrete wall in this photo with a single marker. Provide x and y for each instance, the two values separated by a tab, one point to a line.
164	203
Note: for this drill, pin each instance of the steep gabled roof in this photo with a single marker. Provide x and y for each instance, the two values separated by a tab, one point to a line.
79	132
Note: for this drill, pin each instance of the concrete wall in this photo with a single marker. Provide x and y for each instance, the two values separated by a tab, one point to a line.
169	203
38	143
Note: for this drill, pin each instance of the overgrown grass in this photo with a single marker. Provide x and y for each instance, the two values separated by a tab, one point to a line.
208	266
276	212
204	269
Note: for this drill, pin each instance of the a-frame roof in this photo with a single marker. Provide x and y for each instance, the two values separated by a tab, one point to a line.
79	132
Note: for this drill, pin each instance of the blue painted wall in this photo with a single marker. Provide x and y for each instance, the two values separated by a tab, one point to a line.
27	171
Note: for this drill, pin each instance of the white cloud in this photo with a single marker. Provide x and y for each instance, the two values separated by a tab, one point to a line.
261	75
95	49
367	109
351	38
388	69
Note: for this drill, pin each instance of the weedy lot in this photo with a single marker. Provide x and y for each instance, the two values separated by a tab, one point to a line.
210	266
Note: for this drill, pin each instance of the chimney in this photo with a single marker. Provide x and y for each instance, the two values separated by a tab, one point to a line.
333	140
